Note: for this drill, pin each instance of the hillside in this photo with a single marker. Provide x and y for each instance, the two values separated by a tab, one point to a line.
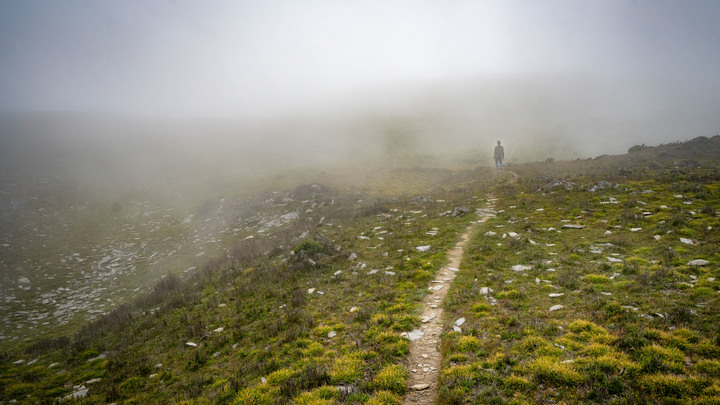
309	290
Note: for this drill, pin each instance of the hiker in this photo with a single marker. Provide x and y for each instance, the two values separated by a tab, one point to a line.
499	156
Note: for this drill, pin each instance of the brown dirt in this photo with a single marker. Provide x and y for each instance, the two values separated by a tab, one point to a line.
424	360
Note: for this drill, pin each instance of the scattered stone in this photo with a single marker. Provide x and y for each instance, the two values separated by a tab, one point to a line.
79	391
24	280
192	344
423	248
657	237
687	241
572	226
457	329
614	260
420	387
460	322
460	211
521	267
698	262
485	212
353	309
332	334
556	307
311	290
353	256
486	291
98	357
490	233
453	269
218	330
415	334
554	295
337	273
635	229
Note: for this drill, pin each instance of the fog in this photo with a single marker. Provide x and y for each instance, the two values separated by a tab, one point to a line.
227	88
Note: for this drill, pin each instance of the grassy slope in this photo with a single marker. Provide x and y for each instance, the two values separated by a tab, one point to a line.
260	336
643	328
251	313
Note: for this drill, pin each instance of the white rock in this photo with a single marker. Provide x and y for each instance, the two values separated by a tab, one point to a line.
193	344
218	330
657	237
423	248
354	309
513	234
332	334
521	267
337	273
698	262
420	387
352	256
486	290
460	322
635	229
614	260
556	307
453	269
490	233
416	334
553	295
457	329
687	241
311	290
24	280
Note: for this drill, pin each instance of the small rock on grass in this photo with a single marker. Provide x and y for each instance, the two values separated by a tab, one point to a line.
420	387
460	322
698	262
556	307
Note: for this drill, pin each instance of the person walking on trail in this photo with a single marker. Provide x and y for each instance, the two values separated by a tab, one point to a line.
499	155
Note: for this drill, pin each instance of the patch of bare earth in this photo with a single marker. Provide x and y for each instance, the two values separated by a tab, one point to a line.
425	359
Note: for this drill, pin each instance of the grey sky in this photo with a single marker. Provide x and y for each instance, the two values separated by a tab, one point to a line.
245	57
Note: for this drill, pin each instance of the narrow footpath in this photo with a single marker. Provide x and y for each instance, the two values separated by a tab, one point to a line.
424	360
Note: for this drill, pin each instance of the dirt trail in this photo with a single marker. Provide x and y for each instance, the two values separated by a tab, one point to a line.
425	359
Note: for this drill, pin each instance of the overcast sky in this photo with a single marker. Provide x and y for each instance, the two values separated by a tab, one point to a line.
243	57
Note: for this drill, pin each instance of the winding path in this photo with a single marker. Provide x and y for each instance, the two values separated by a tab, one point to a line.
424	360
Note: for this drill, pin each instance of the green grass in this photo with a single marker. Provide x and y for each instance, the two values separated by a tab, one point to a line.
313	311
641	326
